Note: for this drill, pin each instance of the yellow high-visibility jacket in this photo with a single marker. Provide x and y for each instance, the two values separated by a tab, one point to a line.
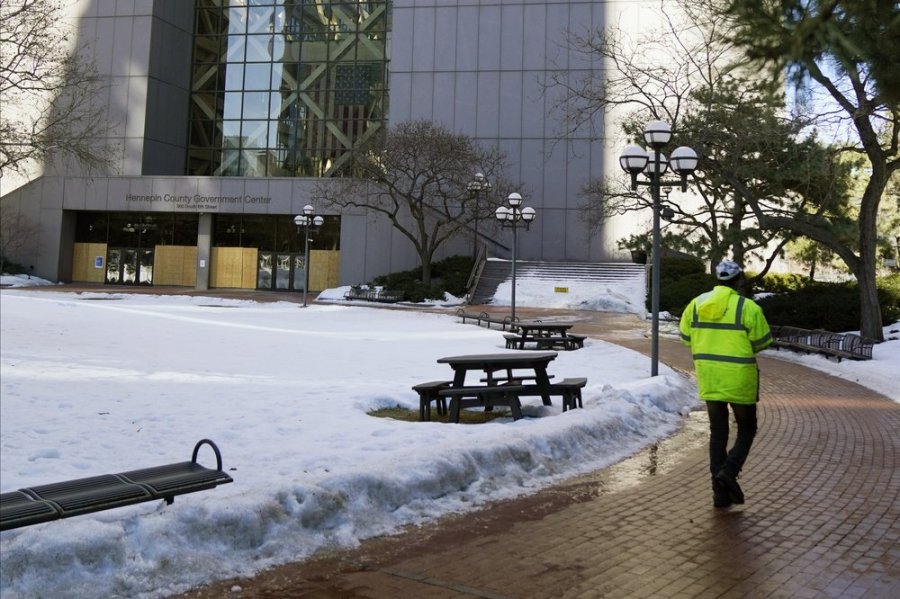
725	331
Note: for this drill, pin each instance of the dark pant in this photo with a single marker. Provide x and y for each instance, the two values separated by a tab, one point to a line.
719	456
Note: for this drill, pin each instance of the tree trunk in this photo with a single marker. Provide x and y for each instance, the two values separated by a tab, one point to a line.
426	269
870	325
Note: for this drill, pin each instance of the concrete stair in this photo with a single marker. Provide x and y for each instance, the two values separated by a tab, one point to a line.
609	274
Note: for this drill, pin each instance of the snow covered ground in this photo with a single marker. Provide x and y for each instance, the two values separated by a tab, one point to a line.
95	383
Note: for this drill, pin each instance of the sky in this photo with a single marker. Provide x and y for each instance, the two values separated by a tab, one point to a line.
98	383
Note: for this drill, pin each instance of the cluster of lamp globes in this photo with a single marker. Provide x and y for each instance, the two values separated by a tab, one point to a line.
306	219
515	213
635	160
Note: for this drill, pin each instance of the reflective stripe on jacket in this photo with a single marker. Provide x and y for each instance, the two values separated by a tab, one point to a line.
725	331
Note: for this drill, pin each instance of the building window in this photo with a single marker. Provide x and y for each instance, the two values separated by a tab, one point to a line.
286	88
136	229
273	233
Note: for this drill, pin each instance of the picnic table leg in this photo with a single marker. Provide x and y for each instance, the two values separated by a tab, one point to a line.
543	381
454	410
459	377
515	406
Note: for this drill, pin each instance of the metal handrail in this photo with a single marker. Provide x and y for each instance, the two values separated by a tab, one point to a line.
477	268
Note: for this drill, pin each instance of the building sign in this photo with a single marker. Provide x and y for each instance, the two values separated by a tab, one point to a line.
98	261
196	201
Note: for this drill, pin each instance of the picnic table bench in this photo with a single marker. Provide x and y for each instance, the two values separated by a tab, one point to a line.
430	392
510	395
543	336
836	345
43	503
567	343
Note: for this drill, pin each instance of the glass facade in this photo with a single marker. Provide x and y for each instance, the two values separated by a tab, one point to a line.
136	229
285	88
273	233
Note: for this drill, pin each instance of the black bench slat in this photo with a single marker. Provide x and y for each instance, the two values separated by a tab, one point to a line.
569	389
91	494
20	509
176	479
487	396
43	503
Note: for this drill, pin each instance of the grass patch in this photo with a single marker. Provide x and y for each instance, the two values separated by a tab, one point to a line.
465	416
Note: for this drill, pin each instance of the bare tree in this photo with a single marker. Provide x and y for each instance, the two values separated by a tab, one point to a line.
730	119
416	174
47	91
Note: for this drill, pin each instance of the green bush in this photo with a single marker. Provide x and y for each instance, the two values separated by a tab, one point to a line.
830	306
782	282
448	275
13	268
675	268
680	280
676	294
889	297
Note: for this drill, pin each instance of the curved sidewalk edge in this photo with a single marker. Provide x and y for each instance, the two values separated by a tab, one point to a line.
822	518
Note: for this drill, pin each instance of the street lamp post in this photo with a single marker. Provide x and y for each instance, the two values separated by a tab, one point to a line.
307	220
510	218
475	187
635	160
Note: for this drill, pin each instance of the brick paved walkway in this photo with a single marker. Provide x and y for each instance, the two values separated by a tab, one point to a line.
822	517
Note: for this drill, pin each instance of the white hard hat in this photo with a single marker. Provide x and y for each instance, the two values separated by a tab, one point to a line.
727	270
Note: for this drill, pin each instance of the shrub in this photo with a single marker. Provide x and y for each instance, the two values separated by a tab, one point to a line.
889	297
782	282
680	280
830	306
675	268
448	275
12	268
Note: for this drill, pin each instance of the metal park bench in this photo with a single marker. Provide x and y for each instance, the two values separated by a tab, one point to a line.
485	319
373	294
385	295
54	501
837	345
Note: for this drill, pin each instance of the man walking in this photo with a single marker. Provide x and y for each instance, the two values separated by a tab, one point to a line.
725	331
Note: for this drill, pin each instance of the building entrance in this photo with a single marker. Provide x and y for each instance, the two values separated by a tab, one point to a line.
129	266
280	271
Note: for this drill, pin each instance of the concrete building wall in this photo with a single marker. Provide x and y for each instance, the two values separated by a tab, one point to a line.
168	88
483	68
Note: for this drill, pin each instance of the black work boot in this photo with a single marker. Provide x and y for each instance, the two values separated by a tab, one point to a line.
721	499
725	481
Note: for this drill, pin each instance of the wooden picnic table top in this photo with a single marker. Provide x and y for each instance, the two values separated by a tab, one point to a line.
500	361
544	326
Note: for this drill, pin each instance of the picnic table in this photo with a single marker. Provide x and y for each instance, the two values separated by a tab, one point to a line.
490	364
544	336
504	382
